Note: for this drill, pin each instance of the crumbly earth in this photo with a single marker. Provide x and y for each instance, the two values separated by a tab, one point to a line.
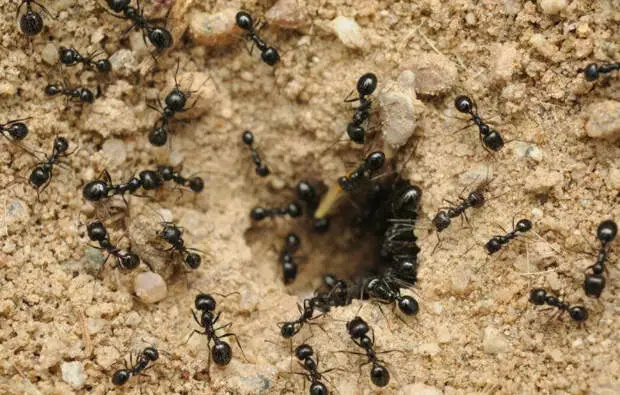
476	331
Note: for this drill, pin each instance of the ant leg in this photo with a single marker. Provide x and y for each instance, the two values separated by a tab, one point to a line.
348	98
192	334
196	319
44	9
436	245
19	8
238	343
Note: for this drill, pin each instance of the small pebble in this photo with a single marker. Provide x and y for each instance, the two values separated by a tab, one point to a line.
604	119
73	374
150	287
49	54
541	181
552	7
133	319
214	29
123	62
460	279
434	74
114	151
523	150
348	32
430	349
287	14
398	118
614	178
503	61
494	342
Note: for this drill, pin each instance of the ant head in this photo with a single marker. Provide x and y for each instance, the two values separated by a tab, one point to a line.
476	198
262	170
538	296
96	231
270	56
150	179
160	38
31	23
205	302
196	184
52	90
87	96
175	100
294	210
103	65
171	233
121	376
493	245
39	176
151	353
258	214
303	351
375	160
320	225
367	84
578	313
305	191
18	130
244	20
67	55
607	231
408	305
95	190
493	140
61	145
591	72
318	388
248	137
464	104
357	327
379	375
158	136
118	5
221	353
129	261
406	205
289	269
356	133
524	225
193	260
288	330
292	242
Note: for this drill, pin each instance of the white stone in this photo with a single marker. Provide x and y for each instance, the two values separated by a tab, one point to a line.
49	54
503	61
398	117
523	150
460	279
541	181
552	7
133	319
114	151
287	14
604	119
150	287
348	32
123	62
434	74
494	342
214	29
73	374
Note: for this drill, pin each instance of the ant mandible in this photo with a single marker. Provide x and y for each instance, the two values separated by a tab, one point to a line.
31	22
158	36
41	175
70	57
595	283
592	71
269	54
496	242
366	85
16	129
121	376
539	297
489	138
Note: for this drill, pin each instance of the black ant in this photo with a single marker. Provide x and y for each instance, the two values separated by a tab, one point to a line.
269	54
82	94
175	102
289	329
70	57
125	259
293	210
366	85
489	138
289	267
220	351
101	189
31	22
307	193
496	242
158	36
304	353
168	173
385	291
443	218
41	175
15	128
372	163
592	71
174	236
358	330
261	168
595	283
539	297
121	376
337	293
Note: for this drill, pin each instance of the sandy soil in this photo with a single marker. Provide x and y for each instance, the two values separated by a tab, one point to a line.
475	332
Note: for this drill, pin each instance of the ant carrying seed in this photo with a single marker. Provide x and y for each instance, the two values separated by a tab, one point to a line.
595	283
126	260
289	267
42	175
31	22
358	330
366	85
168	173
293	210
496	242
174	236
592	71
121	376
539	297
269	54
289	329
16	129
70	57
220	351
372	163
261	168
158	36
304	353
82	94
384	290
489	138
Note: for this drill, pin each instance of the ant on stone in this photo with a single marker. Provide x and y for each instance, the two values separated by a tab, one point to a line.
220	351
372	163
82	94
168	173
71	57
539	297
496	242
31	22
127	260
158	36
384	291
174	236
16	129
289	267
592	71
261	168
41	175
269	54
293	210
366	85
489	138
289	329
595	283
304	353
175	102
121	376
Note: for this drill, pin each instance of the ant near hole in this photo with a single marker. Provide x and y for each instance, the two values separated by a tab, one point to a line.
289	266
289	329
31	22
269	55
168	173
71	57
261	168
490	138
594	283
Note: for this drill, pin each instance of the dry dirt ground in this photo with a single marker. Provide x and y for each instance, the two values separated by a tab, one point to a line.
475	332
